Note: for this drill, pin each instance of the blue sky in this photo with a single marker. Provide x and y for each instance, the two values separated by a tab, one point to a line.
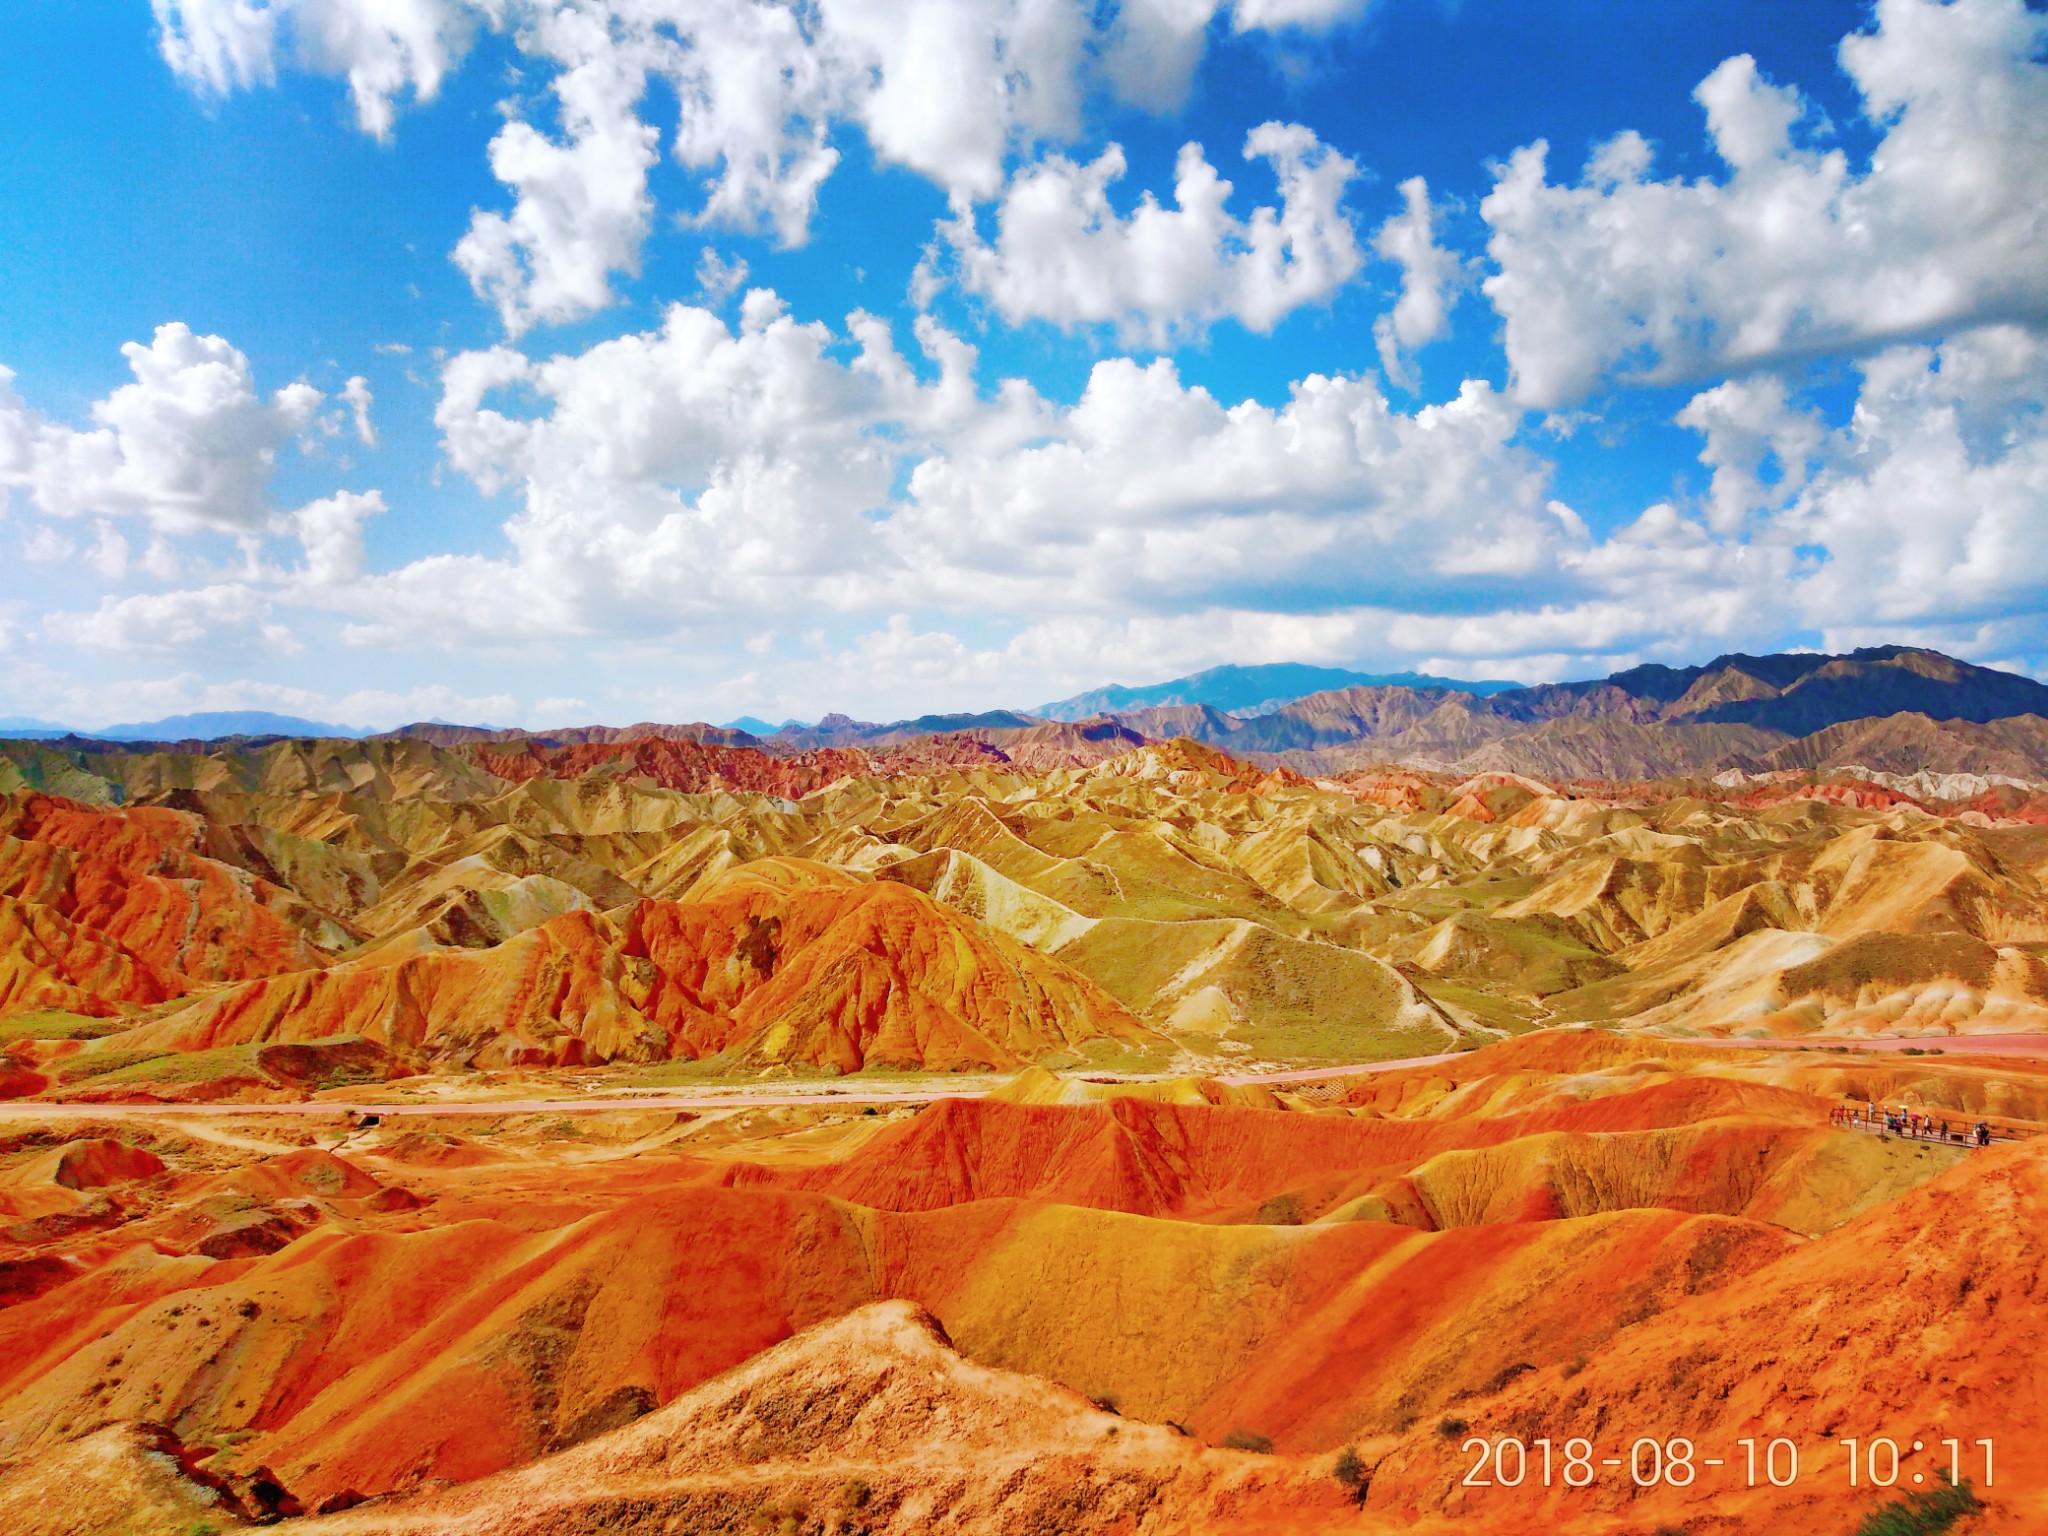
551	361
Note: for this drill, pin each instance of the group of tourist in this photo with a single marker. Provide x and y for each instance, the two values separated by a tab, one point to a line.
1913	1124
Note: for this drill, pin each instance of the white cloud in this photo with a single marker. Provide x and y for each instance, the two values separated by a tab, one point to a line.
1154	494
704	477
383	47
717	278
1918	518
1153	48
956	540
161	560
675	476
108	556
1929	502
218	45
330	531
355	394
1428	273
947	88
1752	429
1310	15
228	615
189	445
1062	253
755	96
949	85
581	207
1625	276
46	546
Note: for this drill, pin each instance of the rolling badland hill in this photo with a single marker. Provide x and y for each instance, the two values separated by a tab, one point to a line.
1024	1125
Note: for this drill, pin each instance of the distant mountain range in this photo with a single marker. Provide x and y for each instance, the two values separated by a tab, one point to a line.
1247	690
28	728
1889	708
1893	709
206	726
1736	711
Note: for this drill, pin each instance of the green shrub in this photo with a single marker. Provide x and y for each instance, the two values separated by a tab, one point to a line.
1350	1472
1245	1440
1922	1514
1450	1429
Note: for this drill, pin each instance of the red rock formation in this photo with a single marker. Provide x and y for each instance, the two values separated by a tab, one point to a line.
846	976
120	906
686	765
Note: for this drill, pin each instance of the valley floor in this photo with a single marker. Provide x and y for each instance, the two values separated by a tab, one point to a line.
1062	1305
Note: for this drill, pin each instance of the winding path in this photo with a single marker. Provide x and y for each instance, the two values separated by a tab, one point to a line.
972	1087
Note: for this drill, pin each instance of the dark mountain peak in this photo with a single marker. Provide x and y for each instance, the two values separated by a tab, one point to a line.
1880	681
1245	691
1654	680
836	723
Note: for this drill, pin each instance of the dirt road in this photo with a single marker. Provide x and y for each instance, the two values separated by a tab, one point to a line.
780	1097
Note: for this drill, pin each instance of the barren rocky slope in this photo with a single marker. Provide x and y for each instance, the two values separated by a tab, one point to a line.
1124	1282
1574	1233
491	906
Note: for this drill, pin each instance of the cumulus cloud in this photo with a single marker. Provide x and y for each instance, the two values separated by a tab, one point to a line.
1062	253
384	48
1929	501
581	207
1428	273
710	477
707	476
679	475
949	85
229	615
947	88
330	532
1152	493
1759	445
755	97
189	445
1917	517
1624	276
